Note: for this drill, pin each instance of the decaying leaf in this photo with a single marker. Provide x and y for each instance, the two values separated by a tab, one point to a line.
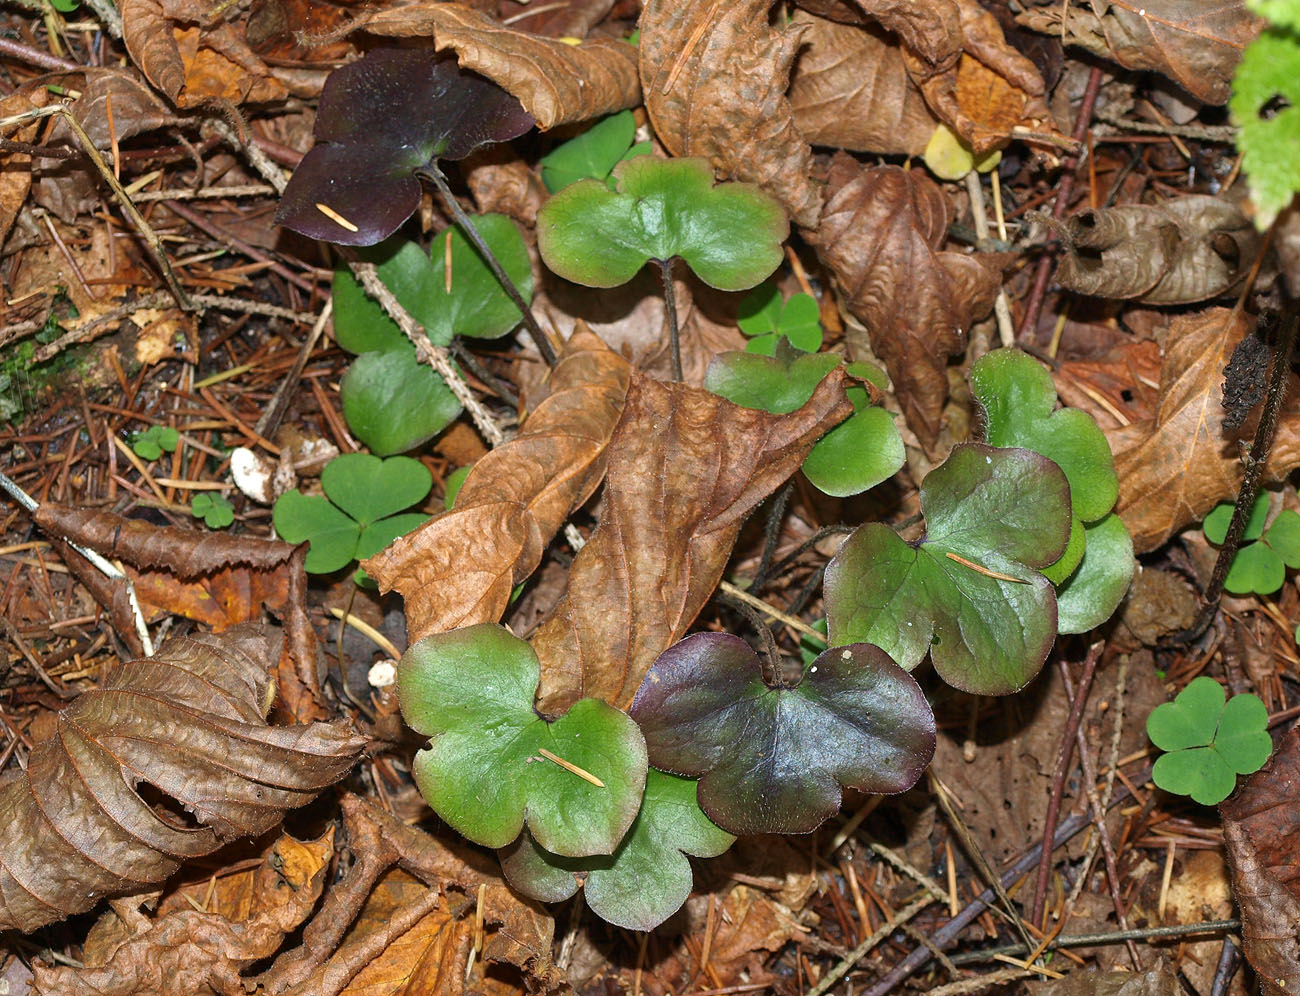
1093	982
459	568
1187	249
1175	467
186	725
685	468
715	77
16	178
880	235
1261	826
189	951
556	82
1198	45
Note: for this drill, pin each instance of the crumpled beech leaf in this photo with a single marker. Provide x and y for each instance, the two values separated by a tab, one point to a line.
729	234
494	765
773	758
1209	741
1017	401
647	879
1185	250
189	723
1004	511
380	120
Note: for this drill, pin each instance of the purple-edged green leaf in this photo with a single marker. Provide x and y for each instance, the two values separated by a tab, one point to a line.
729	234
471	692
778	384
380	119
647	879
313	519
393	402
774	760
1090	595
1005	511
368	488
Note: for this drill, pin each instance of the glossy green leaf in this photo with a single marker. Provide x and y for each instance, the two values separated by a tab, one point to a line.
215	510
591	155
1002	510
333	536
1255	569
1090	595
477	306
777	384
393	402
774	759
471	691
1216	523
647	879
1072	557
729	234
857	454
1265	107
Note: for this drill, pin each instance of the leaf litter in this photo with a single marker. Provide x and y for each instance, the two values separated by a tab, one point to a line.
660	493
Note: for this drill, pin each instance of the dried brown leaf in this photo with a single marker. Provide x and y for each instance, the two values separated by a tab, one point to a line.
715	77
188	952
1195	43
16	177
1261	826
188	722
685	468
459	568
556	82
219	600
851	90
1157	982
879	236
1175	467
557	19
1187	249
1119	388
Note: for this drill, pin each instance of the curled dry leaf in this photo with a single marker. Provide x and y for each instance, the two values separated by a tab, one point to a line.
1261	827
187	722
188	951
1175	467
189	64
16	179
557	83
1187	249
1196	44
685	469
459	568
715	77
880	235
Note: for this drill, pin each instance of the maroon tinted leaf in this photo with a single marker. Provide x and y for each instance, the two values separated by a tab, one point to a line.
773	760
380	120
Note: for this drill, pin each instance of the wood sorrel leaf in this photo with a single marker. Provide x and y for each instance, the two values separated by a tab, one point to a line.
380	120
647	879
773	760
970	591
729	234
493	764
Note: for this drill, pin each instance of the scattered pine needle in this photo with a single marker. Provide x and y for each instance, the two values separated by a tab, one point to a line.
570	766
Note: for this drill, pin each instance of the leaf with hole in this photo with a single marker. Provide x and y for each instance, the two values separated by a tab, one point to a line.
1265	107
1208	741
1017	403
729	234
647	879
494	766
381	119
357	516
774	758
971	590
764	318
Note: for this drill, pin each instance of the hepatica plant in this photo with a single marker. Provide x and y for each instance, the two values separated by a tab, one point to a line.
1208	741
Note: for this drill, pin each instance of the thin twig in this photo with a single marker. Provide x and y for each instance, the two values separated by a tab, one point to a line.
1068	941
879	934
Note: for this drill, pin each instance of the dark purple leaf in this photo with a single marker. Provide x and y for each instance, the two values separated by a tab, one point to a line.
380	119
773	760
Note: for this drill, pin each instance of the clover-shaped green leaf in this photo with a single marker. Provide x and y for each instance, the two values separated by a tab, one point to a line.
729	234
380	120
773	759
971	590
647	879
764	318
215	510
1017	401
357	517
1257	567
1208	742
493	765
1265	107
154	441
593	154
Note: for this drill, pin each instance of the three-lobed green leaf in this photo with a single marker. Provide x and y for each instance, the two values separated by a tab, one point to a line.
765	319
154	441
1260	564
773	760
1005	511
647	879
215	510
485	770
